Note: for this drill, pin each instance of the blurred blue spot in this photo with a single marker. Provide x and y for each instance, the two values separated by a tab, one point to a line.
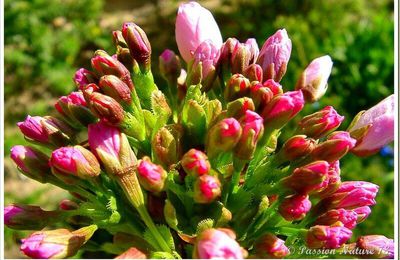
387	151
391	162
315	105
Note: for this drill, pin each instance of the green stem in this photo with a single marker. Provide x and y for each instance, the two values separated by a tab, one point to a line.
238	168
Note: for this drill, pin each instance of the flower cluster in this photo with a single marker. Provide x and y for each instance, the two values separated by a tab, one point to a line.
196	170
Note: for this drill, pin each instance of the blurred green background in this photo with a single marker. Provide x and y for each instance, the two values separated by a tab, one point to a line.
47	40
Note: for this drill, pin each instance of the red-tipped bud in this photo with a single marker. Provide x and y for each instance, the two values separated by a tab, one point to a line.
309	178
132	253
223	136
151	176
260	95
106	108
195	162
138	44
313	81
225	61
253	129
238	86
282	108
207	188
170	65
83	77
237	108
253	72
380	246
320	123
116	88
334	180
26	217
76	161
338	217
296	147
275	54
327	237
74	108
362	213
335	147
243	54
270	246
295	207
67	204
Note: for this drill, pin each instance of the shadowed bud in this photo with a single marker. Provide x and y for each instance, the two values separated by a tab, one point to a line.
167	144
335	147
374	128
132	253
313	81
327	237
253	129
338	217
76	161
223	136
243	55
253	72
270	246
334	180
106	108
116	88
74	108
195	24
274	55
67	204
59	243
207	188
282	108
83	77
138	44
170	65
238	107
195	162
151	176
238	86
26	217
320	123
362	213
225	60
296	147
309	178
218	243
295	207
380	246
118	39
31	162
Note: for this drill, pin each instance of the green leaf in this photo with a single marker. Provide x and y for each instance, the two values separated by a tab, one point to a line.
161	255
204	224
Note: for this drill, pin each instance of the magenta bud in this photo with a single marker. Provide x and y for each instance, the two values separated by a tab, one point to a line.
26	217
33	129
296	147
151	176
138	44
253	72
320	123
218	244
67	204
282	108
83	77
362	213
116	88
76	161
252	46
195	162
338	217
170	65
223	136
252	131
74	108
374	128
237	86
295	207
327	237
106	108
335	147
269	246
118	39
313	81
59	243
309	178
274	55
225	60
380	246
334	180
207	188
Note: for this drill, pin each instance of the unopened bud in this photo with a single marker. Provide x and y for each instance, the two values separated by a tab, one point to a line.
335	147
167	144
170	65
223	136
151	176
74	108
341	217
207	188
195	162
270	246
327	237
296	147
254	73
116	88
83	77
238	86
295	207
26	217
138	44
362	213
381	246
237	108
132	253
106	108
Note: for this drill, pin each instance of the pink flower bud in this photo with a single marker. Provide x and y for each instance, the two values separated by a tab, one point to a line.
381	246
74	161
309	178
33	129
151	176
218	243
295	207
252	46
338	217
275	54
313	81
60	243
138	44
132	253
327	237
333	180
238	86
253	129
223	136
116	88
320	123
195	24
83	77
74	108
106	108
362	213
207	188
237	108
26	217
67	204
242	55
296	147
253	72
170	65
195	162
118	39
282	108
374	128
335	147
270	246
350	195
